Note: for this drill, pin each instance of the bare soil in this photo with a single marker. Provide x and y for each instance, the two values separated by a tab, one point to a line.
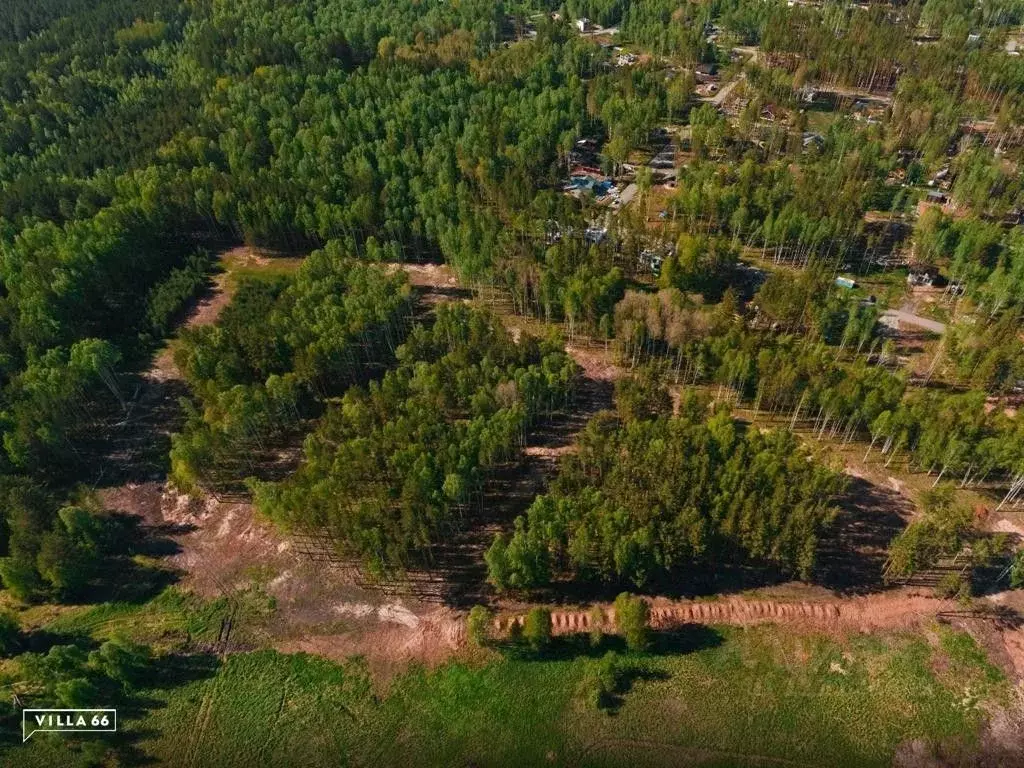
900	609
221	547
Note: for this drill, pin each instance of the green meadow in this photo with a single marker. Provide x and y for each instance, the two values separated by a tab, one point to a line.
713	697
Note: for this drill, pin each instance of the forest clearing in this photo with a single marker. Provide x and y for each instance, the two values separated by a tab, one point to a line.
505	383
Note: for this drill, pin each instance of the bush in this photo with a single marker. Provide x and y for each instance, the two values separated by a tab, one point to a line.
954	585
20	577
478	625
1017	571
632	616
537	628
604	682
122	661
71	554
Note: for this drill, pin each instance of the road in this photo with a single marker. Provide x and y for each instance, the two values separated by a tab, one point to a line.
853	93
719	98
598	31
749	50
723	94
897	316
627	195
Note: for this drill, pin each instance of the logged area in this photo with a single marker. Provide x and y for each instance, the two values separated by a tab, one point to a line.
505	383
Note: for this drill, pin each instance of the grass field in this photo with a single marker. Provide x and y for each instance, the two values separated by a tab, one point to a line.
743	698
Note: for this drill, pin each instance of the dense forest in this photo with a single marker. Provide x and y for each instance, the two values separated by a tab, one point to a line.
727	207
278	350
395	466
136	138
648	494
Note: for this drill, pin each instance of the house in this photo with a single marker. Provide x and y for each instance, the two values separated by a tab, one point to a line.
706	69
583	24
595	234
922	276
651	260
846	282
896	177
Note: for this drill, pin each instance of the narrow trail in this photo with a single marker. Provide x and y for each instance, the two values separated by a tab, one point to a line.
133	445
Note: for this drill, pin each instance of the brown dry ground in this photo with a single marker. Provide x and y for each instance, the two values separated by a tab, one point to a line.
892	610
223	548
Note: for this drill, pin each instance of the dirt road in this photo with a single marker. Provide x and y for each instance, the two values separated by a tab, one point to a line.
895	317
223	547
993	621
719	98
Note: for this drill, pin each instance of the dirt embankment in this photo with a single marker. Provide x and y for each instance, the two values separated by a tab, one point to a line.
886	611
222	547
994	621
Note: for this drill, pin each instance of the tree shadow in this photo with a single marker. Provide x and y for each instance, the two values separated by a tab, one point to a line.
629	675
687	638
612	668
684	639
165	674
40	641
129	442
852	554
126	581
122	577
694	580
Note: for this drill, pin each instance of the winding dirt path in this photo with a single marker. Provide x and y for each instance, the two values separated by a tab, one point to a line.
322	610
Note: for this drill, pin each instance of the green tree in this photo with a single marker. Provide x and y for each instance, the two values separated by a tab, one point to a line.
125	662
632	617
537	628
479	625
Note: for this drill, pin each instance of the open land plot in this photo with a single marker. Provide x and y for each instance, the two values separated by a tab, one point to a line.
710	697
744	695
